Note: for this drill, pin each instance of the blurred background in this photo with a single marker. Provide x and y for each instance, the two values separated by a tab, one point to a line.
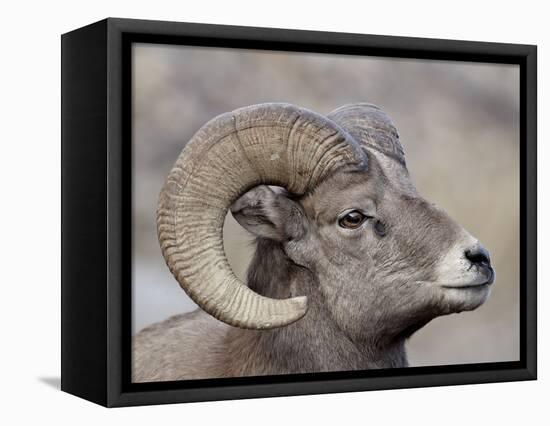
458	122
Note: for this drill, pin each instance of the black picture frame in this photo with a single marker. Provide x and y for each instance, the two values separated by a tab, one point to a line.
96	211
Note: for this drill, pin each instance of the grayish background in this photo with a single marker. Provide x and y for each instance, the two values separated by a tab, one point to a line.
459	124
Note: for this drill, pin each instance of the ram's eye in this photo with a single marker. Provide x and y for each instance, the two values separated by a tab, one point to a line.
352	220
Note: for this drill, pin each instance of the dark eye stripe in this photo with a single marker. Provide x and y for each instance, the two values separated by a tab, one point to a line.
379	228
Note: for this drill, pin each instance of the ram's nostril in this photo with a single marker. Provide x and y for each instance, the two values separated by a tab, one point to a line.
478	256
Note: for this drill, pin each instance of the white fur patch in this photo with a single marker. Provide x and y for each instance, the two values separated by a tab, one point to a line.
455	270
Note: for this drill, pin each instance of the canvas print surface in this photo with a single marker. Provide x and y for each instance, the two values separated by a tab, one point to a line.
372	213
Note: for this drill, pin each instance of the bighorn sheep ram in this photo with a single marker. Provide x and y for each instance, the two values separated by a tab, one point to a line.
350	259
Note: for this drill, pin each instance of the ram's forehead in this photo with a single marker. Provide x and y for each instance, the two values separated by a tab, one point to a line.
383	178
346	189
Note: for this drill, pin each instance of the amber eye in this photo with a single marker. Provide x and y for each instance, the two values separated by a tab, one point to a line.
352	220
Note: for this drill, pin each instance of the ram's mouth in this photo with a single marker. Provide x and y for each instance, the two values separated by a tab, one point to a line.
484	277
467	286
482	282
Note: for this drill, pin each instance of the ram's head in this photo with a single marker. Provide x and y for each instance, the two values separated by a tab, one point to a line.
348	213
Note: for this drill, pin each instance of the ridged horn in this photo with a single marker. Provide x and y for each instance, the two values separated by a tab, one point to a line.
373	129
274	144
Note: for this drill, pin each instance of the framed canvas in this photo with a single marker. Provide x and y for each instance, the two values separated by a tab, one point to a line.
254	212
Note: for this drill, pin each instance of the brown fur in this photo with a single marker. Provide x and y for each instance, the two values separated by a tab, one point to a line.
367	290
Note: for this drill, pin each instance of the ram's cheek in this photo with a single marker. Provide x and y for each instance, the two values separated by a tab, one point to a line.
303	252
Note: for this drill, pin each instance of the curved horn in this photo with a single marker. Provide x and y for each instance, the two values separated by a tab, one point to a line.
376	133
276	144
371	127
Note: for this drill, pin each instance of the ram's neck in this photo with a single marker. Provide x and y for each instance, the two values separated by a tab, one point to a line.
313	344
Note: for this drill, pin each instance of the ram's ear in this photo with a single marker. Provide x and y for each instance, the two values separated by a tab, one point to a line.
268	212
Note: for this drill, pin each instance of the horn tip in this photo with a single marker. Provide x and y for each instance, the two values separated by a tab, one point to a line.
300	307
